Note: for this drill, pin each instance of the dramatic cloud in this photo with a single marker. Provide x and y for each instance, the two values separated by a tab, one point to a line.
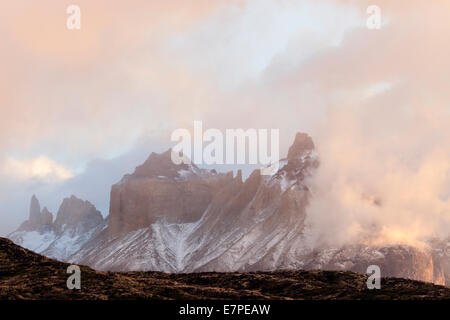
84	107
385	157
38	168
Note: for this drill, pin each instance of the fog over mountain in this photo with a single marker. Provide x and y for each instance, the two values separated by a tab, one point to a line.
181	218
375	102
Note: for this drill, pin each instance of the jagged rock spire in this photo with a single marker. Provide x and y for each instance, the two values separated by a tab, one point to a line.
302	143
37	220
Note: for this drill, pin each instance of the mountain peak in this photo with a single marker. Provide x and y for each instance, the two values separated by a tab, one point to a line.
75	212
35	210
37	219
160	165
302	143
299	164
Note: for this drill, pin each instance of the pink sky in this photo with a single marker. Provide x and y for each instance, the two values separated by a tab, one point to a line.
375	101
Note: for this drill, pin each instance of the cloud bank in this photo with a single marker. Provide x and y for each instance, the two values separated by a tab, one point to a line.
94	104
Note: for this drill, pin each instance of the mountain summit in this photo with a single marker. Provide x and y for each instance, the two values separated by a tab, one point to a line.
38	220
302	144
180	218
76	222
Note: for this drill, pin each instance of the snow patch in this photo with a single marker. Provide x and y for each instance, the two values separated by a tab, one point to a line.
33	240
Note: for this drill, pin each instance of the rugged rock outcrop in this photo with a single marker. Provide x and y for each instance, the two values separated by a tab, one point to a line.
180	218
183	219
159	189
76	223
38	220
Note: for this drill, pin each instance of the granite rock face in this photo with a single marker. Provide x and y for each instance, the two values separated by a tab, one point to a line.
38	220
182	219
159	189
179	218
77	221
77	214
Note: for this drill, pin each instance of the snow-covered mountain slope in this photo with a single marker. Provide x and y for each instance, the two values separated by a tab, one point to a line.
207	222
76	223
179	218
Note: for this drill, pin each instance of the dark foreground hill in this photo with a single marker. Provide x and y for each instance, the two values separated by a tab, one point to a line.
27	275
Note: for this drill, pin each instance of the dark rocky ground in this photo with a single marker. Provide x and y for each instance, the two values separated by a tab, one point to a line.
27	275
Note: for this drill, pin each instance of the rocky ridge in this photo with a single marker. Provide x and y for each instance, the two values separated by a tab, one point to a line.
182	219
